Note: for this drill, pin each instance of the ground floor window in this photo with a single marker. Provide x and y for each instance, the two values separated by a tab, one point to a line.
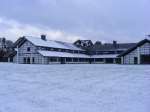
69	59
135	60
26	60
63	60
75	59
33	60
109	60
83	60
53	59
99	60
118	60
145	59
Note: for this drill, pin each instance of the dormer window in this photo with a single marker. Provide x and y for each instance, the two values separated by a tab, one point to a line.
28	49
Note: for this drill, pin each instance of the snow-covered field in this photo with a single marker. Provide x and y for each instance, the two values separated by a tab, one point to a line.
74	88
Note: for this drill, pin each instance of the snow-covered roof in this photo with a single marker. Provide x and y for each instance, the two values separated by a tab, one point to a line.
62	54
105	56
69	45
50	43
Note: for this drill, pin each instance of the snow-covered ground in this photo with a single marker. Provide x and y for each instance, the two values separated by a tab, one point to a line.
74	88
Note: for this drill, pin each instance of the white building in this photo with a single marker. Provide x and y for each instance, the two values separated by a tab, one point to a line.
139	54
32	50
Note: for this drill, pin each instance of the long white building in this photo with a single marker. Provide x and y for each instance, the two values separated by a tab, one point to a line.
34	50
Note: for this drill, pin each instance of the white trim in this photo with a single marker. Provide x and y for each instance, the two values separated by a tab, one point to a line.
105	56
138	53
122	60
62	54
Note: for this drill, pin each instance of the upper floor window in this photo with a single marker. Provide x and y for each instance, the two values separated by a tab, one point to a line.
28	49
76	52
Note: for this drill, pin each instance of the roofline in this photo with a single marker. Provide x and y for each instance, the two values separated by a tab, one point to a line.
19	41
134	47
24	39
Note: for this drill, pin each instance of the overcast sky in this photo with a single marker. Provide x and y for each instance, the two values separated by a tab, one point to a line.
68	20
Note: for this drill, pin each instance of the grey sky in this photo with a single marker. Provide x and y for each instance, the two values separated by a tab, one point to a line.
68	20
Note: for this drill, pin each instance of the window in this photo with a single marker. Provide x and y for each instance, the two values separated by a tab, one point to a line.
68	59
75	59
135	60
55	49
52	59
28	49
109	60
33	60
76	52
28	60
51	49
99	60
24	60
62	50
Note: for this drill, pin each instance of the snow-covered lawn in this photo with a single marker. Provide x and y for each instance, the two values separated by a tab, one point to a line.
74	88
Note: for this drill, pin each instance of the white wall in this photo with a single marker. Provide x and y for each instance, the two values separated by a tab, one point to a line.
143	50
22	52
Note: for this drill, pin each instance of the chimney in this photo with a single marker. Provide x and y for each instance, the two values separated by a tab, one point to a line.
43	37
115	44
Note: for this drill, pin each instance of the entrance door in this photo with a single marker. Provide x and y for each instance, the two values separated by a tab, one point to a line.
24	60
135	60
145	59
28	60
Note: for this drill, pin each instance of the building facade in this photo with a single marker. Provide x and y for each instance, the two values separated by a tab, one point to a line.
139	54
33	50
106	53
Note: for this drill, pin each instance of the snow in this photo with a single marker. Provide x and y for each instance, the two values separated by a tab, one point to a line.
50	43
105	56
62	54
74	88
70	45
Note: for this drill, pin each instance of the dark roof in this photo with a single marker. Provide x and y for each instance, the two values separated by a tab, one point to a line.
84	44
12	54
5	54
19	42
134	47
111	46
